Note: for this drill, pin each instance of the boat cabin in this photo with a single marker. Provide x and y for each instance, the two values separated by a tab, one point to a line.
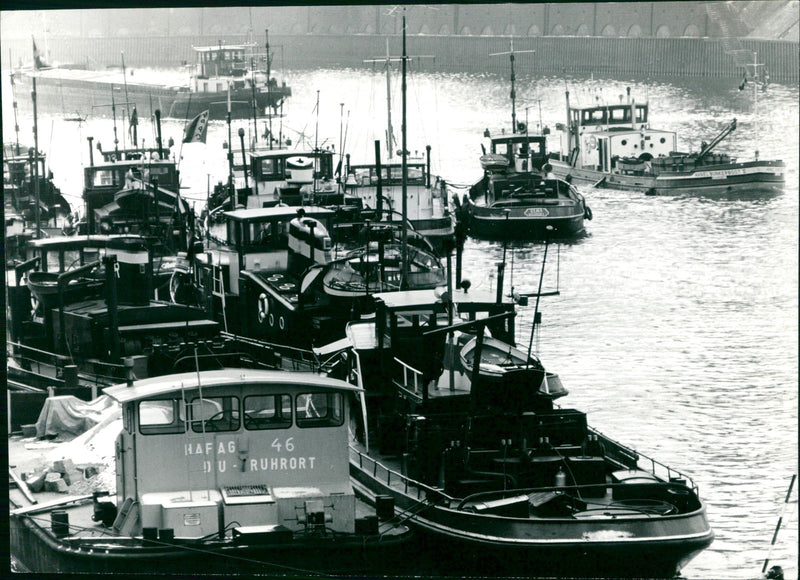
252	279
381	196
135	191
524	153
20	173
290	177
614	138
396	348
218	66
247	450
221	60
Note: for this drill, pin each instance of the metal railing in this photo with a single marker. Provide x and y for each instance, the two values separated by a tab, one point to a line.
415	392
376	468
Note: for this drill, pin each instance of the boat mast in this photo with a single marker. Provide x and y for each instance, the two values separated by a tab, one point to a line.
511	54
757	82
35	171
387	60
130	117
14	97
269	87
404	272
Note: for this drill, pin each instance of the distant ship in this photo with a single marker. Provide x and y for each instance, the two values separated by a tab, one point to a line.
223	77
613	146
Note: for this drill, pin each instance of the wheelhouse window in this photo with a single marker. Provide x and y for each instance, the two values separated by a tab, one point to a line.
319	410
271	167
212	414
103	177
159	417
267	412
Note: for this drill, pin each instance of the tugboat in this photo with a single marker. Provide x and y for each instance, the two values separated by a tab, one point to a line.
281	276
613	146
491	468
136	191
81	304
27	182
221	472
518	196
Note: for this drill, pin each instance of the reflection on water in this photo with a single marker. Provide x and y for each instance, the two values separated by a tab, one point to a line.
676	324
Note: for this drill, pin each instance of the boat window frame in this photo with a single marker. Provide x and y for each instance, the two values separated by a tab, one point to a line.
175	426
279	420
334	400
202	425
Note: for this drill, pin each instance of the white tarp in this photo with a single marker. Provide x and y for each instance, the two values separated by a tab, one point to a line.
70	416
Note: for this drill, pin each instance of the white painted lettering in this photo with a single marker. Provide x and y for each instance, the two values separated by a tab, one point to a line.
221	465
231	446
209	447
254	465
301	463
293	463
273	464
311	460
221	448
283	463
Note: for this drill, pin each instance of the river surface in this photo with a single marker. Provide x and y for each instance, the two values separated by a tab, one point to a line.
676	324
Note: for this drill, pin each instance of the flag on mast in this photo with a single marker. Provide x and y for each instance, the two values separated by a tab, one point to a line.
37	57
196	129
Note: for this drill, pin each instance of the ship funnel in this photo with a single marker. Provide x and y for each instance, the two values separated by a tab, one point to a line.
134	270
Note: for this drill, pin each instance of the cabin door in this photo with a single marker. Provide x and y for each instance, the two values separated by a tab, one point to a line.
602	147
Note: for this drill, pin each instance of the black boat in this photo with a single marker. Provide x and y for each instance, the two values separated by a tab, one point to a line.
291	276
518	197
27	182
493	469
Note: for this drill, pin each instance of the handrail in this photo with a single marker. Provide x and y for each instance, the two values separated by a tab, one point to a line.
416	374
527	490
433	491
670	472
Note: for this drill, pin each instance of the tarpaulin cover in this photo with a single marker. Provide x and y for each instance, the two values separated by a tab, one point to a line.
68	415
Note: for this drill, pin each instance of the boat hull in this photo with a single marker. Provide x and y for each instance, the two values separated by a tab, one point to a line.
83	96
749	177
644	547
37	549
525	222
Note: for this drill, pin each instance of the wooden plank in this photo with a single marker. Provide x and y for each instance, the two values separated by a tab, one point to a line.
50	504
23	487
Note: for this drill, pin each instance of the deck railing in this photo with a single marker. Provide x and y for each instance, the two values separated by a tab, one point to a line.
630	457
389	475
412	378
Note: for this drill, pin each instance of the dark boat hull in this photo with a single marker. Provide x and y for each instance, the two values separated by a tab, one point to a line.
35	547
749	177
491	223
505	546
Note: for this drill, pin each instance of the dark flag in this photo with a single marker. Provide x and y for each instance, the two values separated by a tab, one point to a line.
196	130
37	59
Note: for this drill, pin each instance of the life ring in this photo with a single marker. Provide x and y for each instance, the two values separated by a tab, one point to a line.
592	143
587	212
263	307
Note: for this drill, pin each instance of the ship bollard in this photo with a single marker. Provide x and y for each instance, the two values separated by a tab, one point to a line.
59	523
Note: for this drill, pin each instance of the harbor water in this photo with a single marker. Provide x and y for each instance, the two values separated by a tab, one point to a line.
675	327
